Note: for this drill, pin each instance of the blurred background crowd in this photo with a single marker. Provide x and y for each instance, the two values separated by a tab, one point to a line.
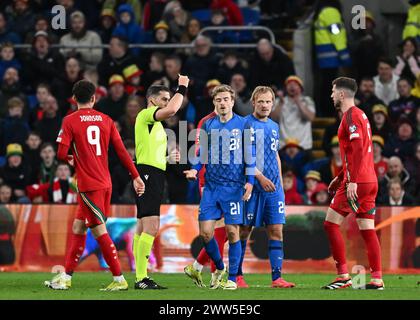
39	65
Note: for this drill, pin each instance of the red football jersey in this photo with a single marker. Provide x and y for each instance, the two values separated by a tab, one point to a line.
355	141
202	172
88	133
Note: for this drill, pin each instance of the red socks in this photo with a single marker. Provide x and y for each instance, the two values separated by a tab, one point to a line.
220	237
373	251
77	246
337	246
110	254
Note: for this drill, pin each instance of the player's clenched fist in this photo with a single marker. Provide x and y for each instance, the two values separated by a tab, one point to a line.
183	80
139	186
191	174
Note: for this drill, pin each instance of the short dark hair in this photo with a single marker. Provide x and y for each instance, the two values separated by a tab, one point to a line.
345	83
405	79
155	90
366	78
83	91
387	61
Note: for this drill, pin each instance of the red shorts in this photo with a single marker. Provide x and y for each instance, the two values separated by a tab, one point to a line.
94	206
363	207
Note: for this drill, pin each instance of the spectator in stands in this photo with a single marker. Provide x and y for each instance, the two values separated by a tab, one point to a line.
380	162
190	34
135	4
230	65
43	91
177	19
380	123
396	169
133	84
365	97
396	195
416	122
401	144
69	7
62	189
201	66
50	123
368	48
14	128
293	155
114	104
80	36
46	170
312	179
6	194
155	71
243	105
128	28
295	114
32	154
173	65
153	13
23	18
93	76
204	104
162	35
386	81
8	59
230	10
121	182
107	25
42	64
291	194
218	19
62	88
320	195
332	168
330	132
128	120
11	86
406	104
117	59
413	167
15	173
42	23
270	66
408	61
6	35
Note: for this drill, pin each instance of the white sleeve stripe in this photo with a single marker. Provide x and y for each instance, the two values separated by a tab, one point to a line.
354	135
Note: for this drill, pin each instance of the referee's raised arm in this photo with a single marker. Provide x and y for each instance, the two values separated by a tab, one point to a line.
175	103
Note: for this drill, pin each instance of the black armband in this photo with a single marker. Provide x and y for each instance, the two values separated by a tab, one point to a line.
182	90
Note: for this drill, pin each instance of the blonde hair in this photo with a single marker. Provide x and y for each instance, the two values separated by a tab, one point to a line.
223	88
260	90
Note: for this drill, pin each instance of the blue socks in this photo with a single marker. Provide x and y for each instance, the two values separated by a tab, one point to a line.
243	248
275	252
234	258
212	250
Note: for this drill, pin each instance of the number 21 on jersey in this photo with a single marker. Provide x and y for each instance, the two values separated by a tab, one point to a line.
94	138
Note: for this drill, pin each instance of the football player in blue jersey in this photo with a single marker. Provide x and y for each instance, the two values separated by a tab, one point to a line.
229	180
266	206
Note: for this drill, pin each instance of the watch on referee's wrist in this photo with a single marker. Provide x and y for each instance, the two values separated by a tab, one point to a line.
181	90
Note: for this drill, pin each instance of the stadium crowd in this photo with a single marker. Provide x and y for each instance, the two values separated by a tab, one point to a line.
36	86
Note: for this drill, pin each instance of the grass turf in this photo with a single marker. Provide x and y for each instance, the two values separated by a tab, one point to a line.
20	286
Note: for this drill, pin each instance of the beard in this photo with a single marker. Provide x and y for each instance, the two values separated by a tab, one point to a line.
337	105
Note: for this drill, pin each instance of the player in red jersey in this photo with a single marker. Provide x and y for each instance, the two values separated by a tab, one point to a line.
194	270
355	187
88	133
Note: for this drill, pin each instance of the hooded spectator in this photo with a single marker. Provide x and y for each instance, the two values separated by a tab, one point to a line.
291	194
128	28
8	59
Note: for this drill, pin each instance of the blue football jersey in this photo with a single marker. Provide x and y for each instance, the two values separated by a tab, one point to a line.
265	135
226	163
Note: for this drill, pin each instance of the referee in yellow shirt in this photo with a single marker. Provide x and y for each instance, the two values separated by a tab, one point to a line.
151	145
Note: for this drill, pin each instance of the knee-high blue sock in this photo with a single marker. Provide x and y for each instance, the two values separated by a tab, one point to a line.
234	257
212	250
241	261
275	252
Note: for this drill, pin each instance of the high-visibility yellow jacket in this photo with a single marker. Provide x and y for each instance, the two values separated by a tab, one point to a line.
412	25
331	39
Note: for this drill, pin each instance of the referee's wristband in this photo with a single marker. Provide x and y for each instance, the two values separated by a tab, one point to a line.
182	90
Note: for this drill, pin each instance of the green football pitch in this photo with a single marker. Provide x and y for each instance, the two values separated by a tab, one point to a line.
18	286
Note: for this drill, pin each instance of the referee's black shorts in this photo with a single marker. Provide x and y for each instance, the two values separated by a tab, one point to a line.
149	203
